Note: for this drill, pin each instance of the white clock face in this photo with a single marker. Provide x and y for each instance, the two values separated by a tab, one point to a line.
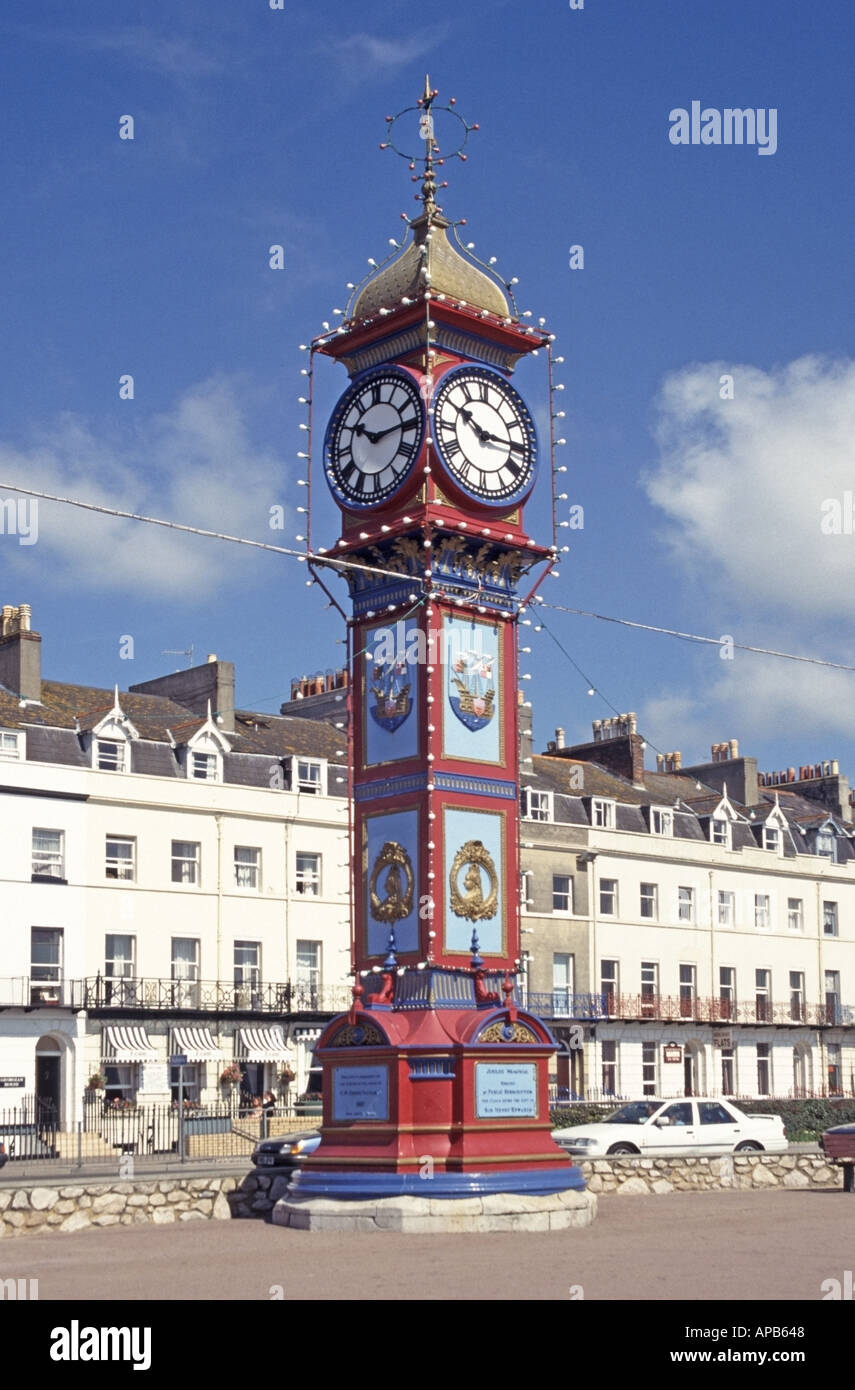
374	437
485	435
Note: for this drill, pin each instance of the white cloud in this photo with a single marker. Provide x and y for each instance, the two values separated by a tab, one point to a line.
367	50
169	54
754	699
195	464
742	481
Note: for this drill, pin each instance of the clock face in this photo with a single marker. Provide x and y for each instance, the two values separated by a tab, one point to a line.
374	437
485	435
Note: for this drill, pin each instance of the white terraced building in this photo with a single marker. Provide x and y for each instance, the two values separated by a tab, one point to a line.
692	928
173	881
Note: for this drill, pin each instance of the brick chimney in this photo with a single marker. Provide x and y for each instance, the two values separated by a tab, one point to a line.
20	653
615	746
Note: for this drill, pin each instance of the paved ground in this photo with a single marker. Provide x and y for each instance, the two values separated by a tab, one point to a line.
711	1245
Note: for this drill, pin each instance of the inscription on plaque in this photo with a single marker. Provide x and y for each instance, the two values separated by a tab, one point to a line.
505	1091
360	1093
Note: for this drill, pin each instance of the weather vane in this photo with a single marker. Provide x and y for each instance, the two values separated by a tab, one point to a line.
433	157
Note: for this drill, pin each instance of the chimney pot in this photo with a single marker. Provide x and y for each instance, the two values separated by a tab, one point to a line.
835	767
559	738
660	762
211	657
734	747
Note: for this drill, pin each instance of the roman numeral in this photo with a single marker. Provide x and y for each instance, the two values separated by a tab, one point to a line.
376	396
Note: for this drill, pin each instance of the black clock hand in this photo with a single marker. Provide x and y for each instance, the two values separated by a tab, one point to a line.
374	436
483	436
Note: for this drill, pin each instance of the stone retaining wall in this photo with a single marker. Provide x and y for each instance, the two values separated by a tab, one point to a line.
76	1206
736	1172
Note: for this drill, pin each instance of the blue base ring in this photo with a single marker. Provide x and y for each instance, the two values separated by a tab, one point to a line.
362	1186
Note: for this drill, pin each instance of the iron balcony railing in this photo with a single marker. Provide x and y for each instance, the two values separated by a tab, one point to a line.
24	992
560	1003
697	1009
98	992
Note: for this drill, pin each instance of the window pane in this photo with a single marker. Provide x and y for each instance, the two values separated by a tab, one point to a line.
561	893
185	958
111	756
185	861
308	877
47	853
247	864
119	857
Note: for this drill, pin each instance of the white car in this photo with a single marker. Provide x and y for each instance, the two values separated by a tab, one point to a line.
695	1125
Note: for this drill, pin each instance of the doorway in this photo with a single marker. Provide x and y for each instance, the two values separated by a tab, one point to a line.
693	1068
48	1076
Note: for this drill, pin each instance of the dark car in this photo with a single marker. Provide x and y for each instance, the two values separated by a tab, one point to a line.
286	1150
838	1144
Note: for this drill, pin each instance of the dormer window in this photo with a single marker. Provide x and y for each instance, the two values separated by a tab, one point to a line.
826	845
602	813
109	740
772	838
307	775
202	755
203	767
720	832
661	821
11	747
109	755
536	805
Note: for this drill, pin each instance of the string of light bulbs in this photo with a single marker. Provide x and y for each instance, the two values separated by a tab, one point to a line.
339	563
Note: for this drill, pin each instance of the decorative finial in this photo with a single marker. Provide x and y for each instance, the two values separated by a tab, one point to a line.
391	961
432	156
477	962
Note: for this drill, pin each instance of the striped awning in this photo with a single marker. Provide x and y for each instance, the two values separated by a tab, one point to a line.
196	1044
262	1044
128	1044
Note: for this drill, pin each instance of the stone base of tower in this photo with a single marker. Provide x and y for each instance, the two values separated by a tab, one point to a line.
499	1211
441	1111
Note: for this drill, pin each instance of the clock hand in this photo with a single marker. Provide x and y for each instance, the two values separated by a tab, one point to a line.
373	436
376	435
483	435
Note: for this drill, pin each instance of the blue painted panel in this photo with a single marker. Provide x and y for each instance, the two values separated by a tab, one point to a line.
360	1093
402	828
472	701
359	1185
459	827
505	1090
390	694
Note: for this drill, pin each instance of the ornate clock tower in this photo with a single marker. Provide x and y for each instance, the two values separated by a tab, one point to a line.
435	1082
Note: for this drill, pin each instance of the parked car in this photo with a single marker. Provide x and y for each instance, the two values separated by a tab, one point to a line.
285	1151
697	1125
838	1144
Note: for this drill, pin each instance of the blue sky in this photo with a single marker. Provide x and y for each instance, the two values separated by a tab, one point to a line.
255	127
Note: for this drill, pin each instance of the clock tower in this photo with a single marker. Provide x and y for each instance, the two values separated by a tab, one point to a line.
436	1072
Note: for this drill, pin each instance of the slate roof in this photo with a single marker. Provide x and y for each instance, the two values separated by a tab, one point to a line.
52	733
574	782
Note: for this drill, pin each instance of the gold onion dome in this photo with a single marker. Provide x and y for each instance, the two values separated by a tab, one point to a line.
449	274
